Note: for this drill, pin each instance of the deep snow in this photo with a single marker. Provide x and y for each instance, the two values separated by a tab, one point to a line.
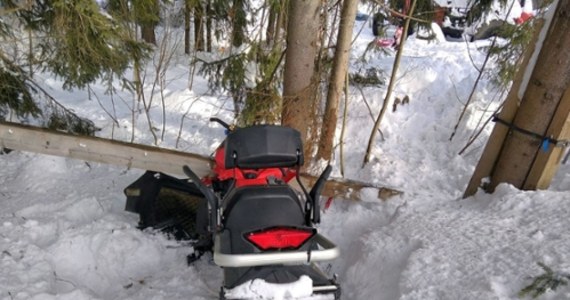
64	233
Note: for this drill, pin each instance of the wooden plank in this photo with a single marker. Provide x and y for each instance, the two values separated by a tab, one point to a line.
130	155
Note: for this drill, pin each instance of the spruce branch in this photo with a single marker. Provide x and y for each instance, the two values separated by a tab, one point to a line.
550	280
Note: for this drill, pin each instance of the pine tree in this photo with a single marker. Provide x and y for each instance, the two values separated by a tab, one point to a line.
77	43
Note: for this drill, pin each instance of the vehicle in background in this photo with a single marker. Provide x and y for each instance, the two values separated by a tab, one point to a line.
451	16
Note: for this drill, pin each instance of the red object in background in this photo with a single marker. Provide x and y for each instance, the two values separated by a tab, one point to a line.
328	203
525	16
384	42
439	15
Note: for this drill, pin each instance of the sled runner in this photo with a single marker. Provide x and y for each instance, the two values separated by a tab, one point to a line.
256	225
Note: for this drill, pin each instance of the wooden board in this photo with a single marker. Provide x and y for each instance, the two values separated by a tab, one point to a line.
130	155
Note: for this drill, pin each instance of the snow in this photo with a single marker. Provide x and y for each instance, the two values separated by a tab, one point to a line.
64	233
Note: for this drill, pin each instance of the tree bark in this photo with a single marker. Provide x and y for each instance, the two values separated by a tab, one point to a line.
298	83
149	21
239	23
271	24
199	27
544	95
187	27
338	76
208	17
147	34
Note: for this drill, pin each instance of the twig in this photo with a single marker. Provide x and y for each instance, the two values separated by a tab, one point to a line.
403	38
343	129
487	57
479	76
91	91
369	108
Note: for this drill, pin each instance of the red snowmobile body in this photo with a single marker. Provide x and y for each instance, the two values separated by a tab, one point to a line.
246	213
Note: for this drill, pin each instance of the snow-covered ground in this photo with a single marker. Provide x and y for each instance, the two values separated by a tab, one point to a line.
64	233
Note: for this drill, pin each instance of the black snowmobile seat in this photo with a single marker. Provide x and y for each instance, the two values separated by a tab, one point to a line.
251	208
263	146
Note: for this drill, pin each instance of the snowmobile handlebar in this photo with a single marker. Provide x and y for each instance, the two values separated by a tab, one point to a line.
227	126
210	196
316	193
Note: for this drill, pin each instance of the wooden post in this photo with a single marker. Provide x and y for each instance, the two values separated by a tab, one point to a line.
525	156
542	99
494	145
547	162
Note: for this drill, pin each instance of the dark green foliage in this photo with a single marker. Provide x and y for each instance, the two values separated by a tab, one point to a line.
79	43
262	106
479	8
255	102
72	39
145	12
550	280
227	74
239	22
70	123
370	76
18	96
507	54
15	96
263	102
88	44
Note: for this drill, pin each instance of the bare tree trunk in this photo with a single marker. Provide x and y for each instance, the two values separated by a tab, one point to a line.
298	84
208	16
239	23
281	21
198	27
187	27
271	25
343	128
147	34
544	96
338	76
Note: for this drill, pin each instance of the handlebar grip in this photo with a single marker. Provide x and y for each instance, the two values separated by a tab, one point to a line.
224	124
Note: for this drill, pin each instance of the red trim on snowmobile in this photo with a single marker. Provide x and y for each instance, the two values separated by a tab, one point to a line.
247	177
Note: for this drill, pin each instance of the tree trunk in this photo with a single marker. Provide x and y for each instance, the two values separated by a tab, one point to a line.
271	24
187	27
208	17
199	27
147	34
148	16
495	142
281	21
239	23
298	84
544	95
338	76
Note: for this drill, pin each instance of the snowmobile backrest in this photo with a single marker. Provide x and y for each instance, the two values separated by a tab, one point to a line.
257	207
263	146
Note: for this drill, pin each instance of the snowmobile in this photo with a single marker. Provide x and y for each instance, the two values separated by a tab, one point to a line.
246	212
